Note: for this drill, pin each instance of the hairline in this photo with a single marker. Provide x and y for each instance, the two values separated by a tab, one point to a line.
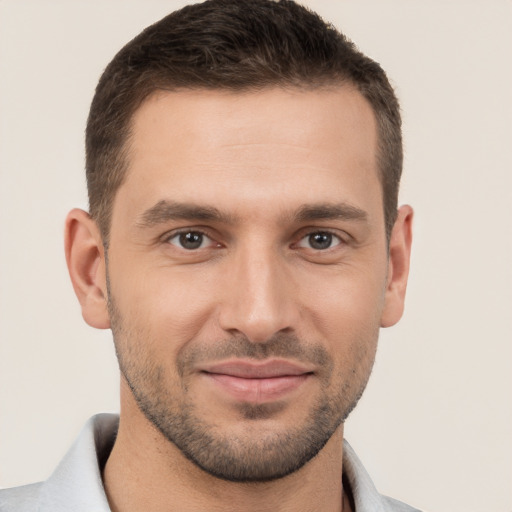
103	216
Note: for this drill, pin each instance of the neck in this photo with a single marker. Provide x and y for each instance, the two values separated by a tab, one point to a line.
147	472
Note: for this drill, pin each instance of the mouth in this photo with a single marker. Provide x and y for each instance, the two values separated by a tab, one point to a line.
258	382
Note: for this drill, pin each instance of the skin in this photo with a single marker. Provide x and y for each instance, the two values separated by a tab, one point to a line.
275	164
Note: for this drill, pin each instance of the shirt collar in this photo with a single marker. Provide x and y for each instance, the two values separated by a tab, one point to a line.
76	484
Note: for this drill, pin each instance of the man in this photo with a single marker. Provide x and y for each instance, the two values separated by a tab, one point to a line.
245	247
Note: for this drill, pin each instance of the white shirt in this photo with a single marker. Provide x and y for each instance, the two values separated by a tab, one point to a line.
76	484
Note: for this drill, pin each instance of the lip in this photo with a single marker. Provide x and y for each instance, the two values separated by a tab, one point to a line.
257	382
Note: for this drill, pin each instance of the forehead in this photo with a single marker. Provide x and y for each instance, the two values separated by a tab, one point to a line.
210	146
324	117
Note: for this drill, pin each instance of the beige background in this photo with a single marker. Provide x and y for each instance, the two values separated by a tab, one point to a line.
435	426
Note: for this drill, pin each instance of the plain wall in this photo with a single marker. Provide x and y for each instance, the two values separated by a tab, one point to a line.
435	425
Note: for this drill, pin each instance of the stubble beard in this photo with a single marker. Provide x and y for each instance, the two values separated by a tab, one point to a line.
255	455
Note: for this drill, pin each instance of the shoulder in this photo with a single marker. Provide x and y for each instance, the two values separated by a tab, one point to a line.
76	482
23	498
393	505
365	495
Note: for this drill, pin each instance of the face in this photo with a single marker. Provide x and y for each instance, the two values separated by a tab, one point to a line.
247	272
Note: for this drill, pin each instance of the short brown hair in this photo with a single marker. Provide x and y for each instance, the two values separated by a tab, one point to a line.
233	45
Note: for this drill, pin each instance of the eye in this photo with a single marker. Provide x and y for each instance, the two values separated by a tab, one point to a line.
319	241
190	240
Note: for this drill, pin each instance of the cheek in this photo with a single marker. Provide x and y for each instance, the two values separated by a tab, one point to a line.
346	315
348	305
172	305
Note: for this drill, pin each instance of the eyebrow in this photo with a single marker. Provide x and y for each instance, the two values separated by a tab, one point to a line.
328	211
165	211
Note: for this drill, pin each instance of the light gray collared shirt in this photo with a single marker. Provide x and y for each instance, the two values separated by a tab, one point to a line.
76	485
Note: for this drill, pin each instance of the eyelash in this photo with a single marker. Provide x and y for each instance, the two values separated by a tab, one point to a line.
334	237
198	231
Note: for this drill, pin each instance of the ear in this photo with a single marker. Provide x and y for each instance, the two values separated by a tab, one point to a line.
398	267
85	257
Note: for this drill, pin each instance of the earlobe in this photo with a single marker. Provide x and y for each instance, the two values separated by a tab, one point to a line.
85	258
398	267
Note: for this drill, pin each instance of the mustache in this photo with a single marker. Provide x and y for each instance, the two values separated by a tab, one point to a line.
281	345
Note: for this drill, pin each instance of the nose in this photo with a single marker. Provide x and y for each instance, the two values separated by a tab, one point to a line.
259	299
